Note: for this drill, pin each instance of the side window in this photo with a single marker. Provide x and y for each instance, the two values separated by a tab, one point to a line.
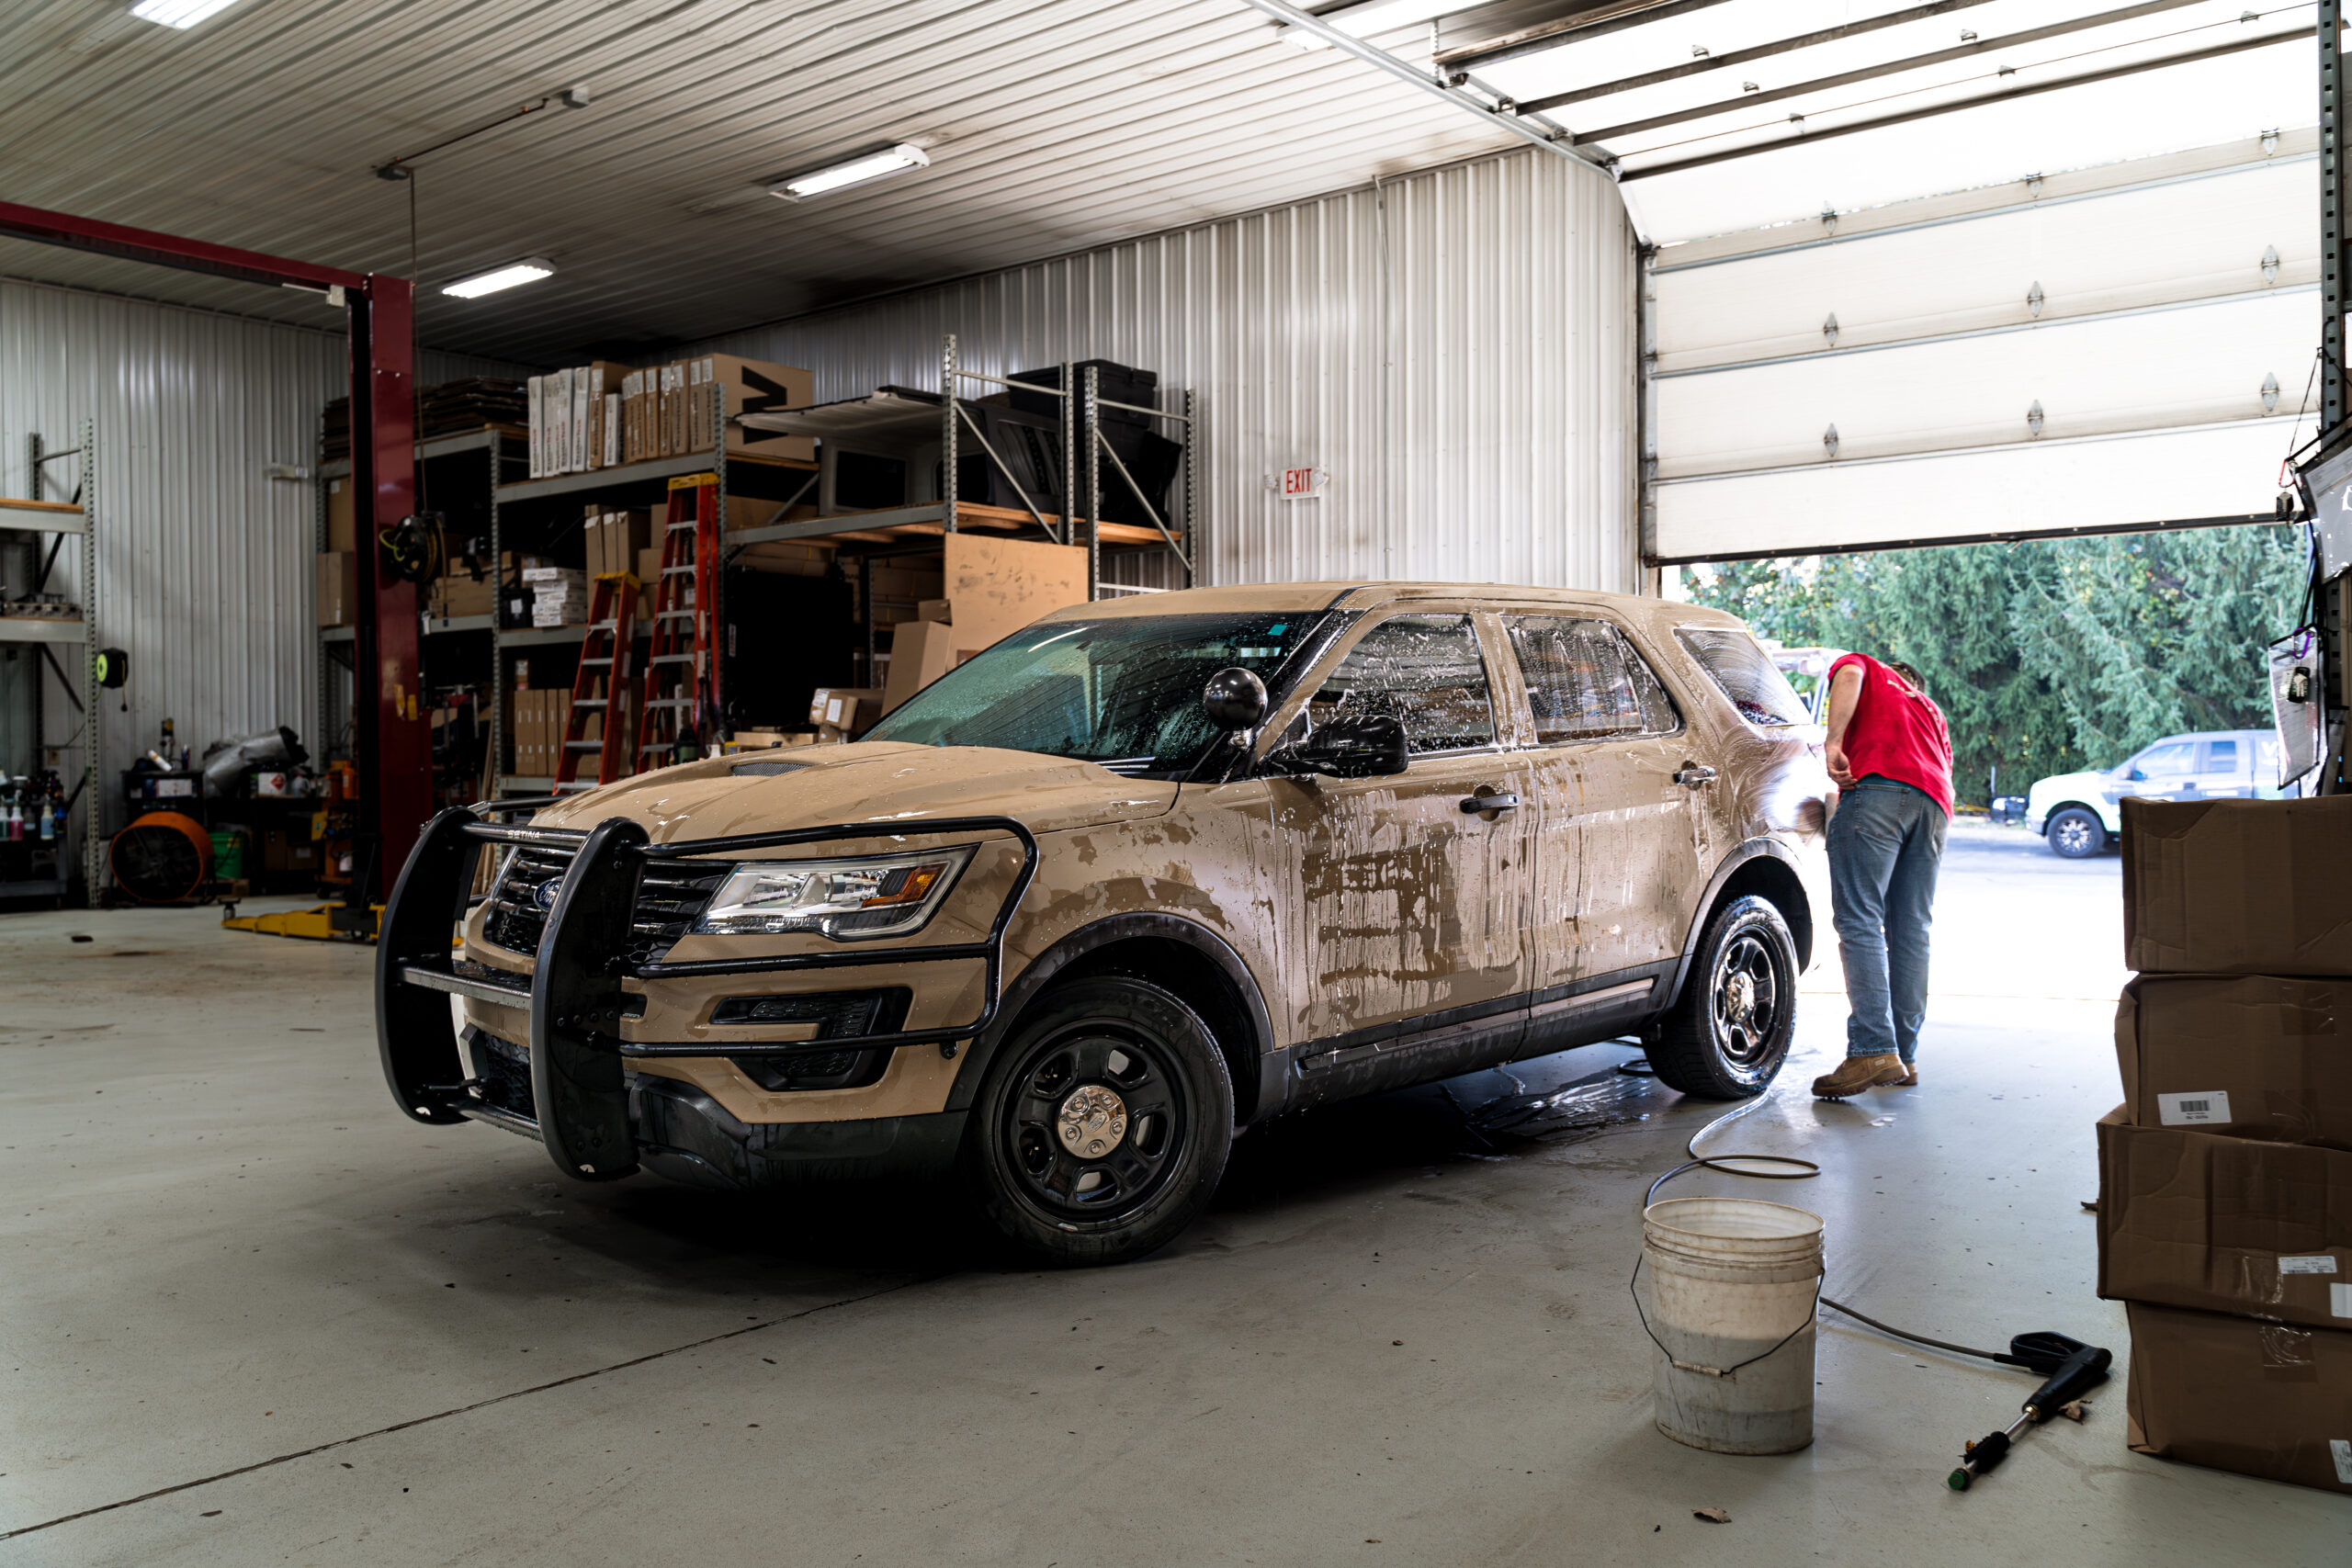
2221	757
2169	761
1745	674
1586	682
1423	669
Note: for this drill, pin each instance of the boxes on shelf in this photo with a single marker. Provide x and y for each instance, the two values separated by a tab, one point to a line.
934	610
339	514
767	740
2240	1393
2245	1056
570	418
842	712
2190	1219
751	386
537	723
559	595
337	586
614	539
790	558
2237	886
460	593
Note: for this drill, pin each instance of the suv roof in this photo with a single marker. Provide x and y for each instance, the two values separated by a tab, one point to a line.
1365	595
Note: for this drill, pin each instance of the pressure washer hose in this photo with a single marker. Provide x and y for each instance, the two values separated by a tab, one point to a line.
1789	1168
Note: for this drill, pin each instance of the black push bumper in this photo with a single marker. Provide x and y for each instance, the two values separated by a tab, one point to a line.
597	1124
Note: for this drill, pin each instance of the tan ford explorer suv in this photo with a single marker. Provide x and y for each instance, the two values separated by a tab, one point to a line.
1136	878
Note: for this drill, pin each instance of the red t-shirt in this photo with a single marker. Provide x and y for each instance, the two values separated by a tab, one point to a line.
1896	733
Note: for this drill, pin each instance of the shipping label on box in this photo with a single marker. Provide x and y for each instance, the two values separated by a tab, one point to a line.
2250	1055
2242	1394
2238	886
2188	1219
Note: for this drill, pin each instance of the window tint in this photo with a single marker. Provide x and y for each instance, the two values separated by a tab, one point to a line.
2168	761
1746	674
2221	757
1585	681
1423	669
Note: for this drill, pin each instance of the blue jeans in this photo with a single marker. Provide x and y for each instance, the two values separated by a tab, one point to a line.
1885	843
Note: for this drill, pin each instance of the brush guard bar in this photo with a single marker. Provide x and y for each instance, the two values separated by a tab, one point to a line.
578	1074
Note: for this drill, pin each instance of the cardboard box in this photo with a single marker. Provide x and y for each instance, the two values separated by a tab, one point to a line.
851	709
673	409
935	609
2238	886
460	594
920	652
2187	1219
2241	1394
999	586
2244	1057
337	587
751	386
339	514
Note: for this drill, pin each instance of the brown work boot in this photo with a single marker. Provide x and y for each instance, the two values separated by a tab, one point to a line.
1856	1074
1910	1078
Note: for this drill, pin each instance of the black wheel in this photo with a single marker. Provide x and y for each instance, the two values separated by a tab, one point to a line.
2076	833
1102	1125
1728	1033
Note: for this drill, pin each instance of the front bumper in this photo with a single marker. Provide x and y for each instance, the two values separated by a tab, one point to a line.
599	1121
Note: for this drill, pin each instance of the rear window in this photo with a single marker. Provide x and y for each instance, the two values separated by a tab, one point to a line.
1747	675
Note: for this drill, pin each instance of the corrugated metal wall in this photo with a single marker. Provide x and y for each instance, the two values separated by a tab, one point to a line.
1457	348
204	564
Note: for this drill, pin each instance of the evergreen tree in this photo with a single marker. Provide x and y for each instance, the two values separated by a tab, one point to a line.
2054	654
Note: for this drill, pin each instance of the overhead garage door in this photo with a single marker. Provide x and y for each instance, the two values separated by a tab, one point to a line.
2118	347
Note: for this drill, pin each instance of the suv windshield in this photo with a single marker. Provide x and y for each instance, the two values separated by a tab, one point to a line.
1124	690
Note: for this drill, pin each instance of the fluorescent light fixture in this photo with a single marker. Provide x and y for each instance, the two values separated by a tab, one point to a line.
182	14
531	269
1369	17
850	171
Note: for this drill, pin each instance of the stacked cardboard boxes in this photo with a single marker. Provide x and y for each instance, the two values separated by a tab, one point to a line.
669	410
559	595
2225	1176
537	722
575	419
615	540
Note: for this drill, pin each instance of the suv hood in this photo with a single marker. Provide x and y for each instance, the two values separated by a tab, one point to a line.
817	787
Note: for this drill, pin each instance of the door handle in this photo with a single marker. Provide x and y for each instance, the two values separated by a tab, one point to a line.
1693	775
1491	800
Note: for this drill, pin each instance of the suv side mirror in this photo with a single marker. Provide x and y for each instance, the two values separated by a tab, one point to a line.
2139	776
1362	746
1234	699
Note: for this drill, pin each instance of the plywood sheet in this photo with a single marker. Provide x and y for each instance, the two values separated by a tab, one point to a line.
997	586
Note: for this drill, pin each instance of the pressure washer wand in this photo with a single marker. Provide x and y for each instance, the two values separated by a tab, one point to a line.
2074	1370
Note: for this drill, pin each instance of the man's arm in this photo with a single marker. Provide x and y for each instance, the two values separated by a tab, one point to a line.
1845	693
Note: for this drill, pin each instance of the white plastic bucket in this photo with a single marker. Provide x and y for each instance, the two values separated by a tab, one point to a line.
1730	1305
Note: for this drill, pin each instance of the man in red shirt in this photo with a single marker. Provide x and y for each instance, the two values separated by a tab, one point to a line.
1891	755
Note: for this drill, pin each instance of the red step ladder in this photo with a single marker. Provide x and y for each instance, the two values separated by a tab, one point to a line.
678	701
601	687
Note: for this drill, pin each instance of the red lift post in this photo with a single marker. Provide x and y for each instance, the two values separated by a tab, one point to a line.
393	744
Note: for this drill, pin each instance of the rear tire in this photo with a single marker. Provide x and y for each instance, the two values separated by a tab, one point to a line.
2076	834
1729	1031
1101	1127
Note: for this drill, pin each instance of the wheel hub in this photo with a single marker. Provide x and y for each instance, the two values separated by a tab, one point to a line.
1739	998
1092	1122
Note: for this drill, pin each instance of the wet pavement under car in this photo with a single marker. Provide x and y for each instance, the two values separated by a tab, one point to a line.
225	1246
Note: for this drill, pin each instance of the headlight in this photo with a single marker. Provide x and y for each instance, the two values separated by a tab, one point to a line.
877	895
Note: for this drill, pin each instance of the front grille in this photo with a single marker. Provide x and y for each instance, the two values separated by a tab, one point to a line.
502	1074
671	897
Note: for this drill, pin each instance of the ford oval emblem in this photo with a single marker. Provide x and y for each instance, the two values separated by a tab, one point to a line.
544	894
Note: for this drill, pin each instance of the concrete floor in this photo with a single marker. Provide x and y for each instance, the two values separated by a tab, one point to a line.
252	1315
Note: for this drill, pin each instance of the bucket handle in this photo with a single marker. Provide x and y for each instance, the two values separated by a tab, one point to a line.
1680	1365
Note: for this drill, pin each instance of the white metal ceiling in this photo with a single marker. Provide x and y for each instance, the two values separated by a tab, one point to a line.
1053	126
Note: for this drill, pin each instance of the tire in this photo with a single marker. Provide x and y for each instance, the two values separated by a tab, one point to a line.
2076	833
1148	1068
1728	1032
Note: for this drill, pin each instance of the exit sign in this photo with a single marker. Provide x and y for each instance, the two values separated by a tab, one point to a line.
1303	484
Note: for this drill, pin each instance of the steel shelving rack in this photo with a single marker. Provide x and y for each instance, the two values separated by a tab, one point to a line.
60	521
